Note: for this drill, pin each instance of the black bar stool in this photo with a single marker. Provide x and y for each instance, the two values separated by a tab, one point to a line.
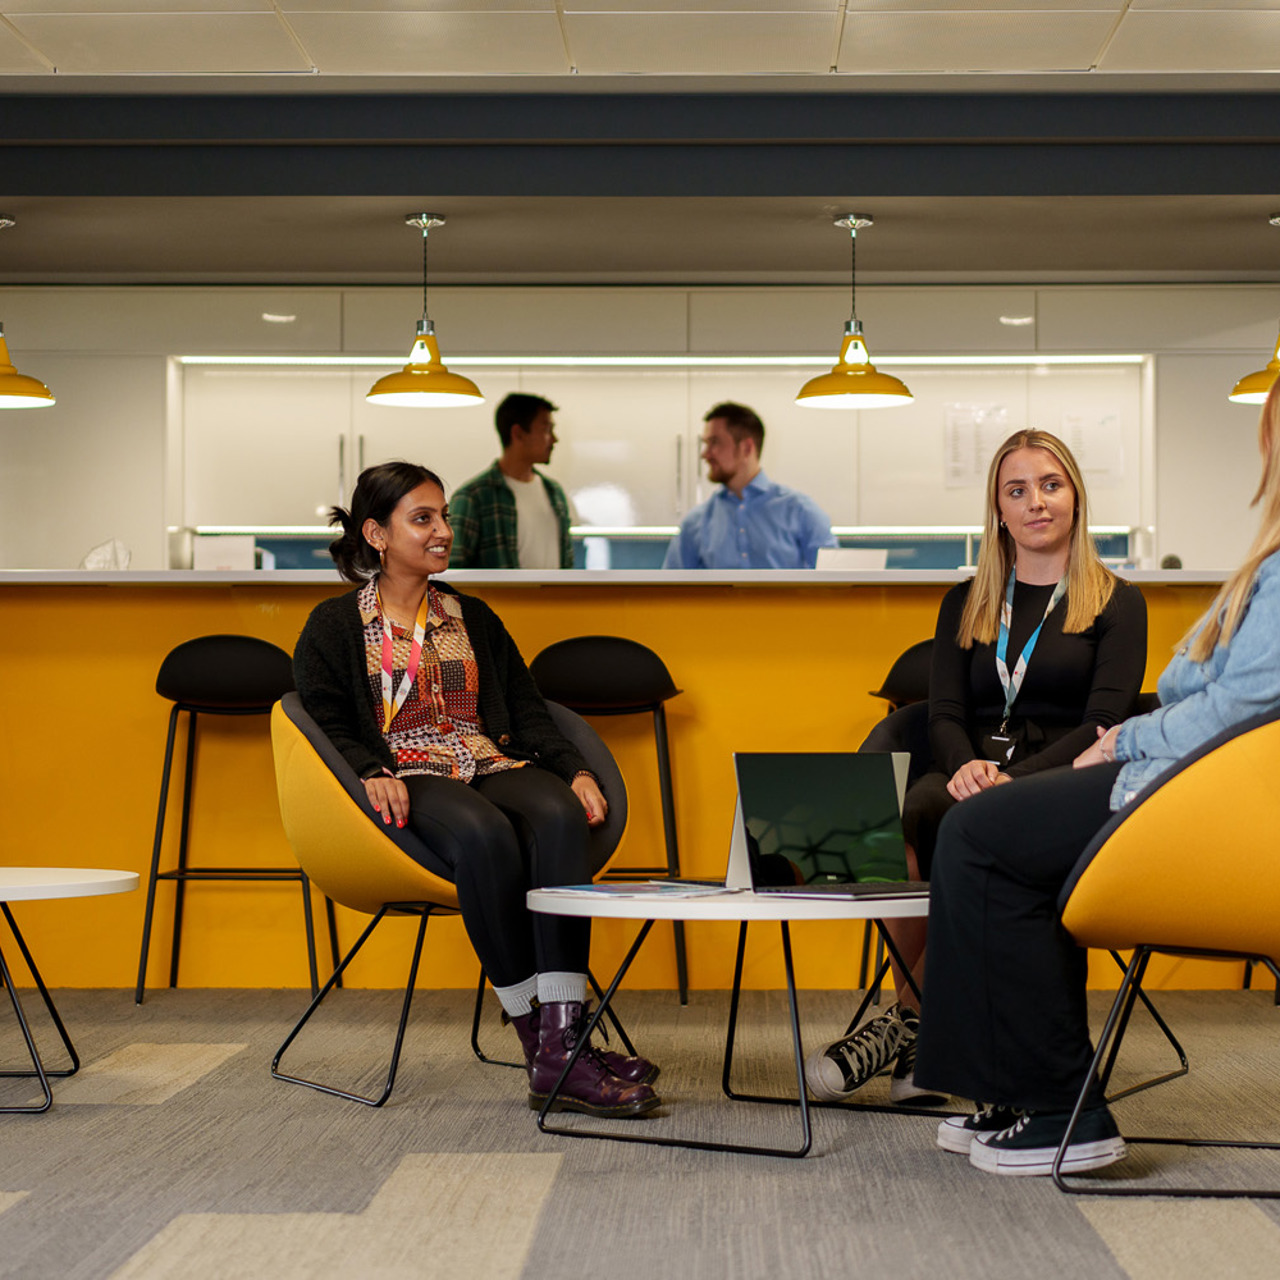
219	676
612	676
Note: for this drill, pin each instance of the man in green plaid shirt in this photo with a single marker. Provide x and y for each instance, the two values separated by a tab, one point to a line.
511	516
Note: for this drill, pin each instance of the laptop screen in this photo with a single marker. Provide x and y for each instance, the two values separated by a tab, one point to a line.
820	817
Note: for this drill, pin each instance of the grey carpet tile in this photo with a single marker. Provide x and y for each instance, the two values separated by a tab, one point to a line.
234	1174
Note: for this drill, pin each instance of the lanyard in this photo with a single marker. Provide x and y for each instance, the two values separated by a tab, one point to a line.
1011	684
392	705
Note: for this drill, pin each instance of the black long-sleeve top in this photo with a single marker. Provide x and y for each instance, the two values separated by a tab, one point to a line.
1073	684
330	671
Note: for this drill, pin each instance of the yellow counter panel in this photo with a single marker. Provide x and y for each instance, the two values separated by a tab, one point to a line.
782	665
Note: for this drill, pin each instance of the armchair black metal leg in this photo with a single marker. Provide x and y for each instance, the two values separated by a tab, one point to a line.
155	856
1134	973
40	1072
179	876
475	1029
309	923
376	1101
1137	993
332	918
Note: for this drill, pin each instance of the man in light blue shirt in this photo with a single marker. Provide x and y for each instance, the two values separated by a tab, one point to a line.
751	523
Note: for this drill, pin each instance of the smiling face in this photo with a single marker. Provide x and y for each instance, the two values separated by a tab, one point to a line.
416	538
1037	502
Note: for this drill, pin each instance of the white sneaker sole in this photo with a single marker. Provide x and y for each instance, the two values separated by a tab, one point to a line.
951	1137
1038	1161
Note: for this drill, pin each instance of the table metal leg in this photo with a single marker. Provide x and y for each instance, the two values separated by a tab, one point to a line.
803	1101
740	1148
40	1073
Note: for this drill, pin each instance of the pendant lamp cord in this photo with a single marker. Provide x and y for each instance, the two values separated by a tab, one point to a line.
426	315
853	273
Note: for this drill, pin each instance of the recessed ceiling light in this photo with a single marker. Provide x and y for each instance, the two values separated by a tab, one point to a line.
271	318
1017	322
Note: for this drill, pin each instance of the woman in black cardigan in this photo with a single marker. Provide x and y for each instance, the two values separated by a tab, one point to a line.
1034	657
425	694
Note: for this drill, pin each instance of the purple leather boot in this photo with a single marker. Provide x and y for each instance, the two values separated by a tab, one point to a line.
637	1070
591	1086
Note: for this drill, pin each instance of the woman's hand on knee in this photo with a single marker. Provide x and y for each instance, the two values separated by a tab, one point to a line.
971	778
1101	752
588	792
389	797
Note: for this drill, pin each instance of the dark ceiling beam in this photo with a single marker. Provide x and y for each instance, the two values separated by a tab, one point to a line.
656	145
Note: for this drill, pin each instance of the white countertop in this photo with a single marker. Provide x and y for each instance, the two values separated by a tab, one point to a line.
560	577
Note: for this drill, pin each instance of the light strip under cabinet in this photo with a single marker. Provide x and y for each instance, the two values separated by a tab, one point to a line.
658	362
656	530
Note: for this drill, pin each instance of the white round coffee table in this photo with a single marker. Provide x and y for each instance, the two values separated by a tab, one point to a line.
30	884
613	901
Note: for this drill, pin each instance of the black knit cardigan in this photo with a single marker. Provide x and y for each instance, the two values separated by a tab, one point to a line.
330	671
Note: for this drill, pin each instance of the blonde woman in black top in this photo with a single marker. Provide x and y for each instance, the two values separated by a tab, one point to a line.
1034	655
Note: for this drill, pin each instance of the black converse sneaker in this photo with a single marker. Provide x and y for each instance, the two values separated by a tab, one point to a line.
956	1133
1028	1146
838	1070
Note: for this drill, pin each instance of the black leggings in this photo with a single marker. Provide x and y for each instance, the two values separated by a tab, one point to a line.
1005	1016
496	838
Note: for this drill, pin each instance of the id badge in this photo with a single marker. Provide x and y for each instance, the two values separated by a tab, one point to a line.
998	747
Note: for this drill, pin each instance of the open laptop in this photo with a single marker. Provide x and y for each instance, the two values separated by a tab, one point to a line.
820	823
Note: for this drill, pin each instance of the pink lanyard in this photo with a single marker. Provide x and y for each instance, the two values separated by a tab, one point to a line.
390	705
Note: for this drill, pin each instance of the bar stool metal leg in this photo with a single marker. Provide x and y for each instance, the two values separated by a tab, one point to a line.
155	855
180	883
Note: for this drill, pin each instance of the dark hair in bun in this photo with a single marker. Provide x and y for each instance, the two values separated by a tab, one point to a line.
377	494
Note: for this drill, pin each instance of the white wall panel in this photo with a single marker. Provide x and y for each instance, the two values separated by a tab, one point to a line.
1155	318
519	321
1207	463
173	321
89	468
811	321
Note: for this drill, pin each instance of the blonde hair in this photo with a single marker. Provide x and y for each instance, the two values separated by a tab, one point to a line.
1090	583
1232	600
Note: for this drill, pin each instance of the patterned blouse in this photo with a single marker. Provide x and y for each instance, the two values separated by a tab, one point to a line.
437	730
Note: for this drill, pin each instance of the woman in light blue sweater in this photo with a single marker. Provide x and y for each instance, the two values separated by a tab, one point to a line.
1005	984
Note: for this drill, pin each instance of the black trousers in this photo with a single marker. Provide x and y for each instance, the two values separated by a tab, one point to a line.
924	806
496	838
1005	1018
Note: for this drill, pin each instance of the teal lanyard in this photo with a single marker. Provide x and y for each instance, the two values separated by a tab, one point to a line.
1012	684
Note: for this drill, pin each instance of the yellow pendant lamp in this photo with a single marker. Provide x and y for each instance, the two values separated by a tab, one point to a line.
17	391
1253	387
424	383
854	382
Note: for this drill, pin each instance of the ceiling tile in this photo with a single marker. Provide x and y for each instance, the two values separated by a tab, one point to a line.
700	6
133	43
416	6
1207	6
701	43
16	59
89	8
433	43
968	6
977	41
1235	40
